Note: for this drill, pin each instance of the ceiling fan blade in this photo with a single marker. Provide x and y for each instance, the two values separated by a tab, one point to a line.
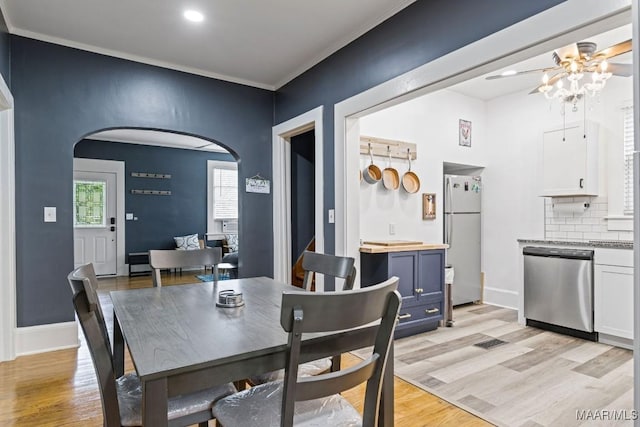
518	73
551	82
615	50
624	70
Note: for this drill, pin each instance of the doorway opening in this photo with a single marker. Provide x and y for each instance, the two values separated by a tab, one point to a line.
302	131
165	189
302	201
355	117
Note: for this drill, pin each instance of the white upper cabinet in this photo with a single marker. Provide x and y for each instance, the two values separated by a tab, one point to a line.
570	161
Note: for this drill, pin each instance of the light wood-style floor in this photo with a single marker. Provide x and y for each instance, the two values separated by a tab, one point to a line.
527	378
60	389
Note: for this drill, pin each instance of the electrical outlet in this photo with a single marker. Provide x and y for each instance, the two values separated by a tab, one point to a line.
392	229
332	216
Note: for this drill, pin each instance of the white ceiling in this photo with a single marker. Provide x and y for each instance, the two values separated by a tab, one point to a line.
262	43
157	138
484	89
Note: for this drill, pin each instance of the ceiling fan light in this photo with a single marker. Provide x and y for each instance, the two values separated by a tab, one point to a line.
604	65
545	78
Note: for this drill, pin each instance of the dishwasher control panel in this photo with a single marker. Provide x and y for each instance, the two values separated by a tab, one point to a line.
558	252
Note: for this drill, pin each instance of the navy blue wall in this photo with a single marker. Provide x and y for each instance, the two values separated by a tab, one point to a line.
159	218
302	192
423	31
64	94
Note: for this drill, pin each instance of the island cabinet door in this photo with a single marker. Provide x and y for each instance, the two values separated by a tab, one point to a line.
404	265
430	283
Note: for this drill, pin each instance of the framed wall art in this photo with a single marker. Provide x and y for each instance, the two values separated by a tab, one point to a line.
464	132
429	206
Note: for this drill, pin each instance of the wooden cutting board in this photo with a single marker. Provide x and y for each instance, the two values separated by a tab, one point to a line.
392	243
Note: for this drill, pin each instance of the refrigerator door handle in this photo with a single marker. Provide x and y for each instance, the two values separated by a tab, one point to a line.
449	231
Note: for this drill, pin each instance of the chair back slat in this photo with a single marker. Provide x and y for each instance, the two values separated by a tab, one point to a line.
306	312
162	259
330	265
335	311
330	383
95	332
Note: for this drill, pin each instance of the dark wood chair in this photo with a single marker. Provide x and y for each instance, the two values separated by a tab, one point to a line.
329	265
122	397
163	259
315	400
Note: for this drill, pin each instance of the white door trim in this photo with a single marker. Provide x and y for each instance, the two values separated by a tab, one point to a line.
7	226
282	134
534	36
116	167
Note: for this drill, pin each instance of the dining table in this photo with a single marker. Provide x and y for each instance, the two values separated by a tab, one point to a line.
180	341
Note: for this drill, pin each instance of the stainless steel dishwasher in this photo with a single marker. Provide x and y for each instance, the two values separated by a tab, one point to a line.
558	290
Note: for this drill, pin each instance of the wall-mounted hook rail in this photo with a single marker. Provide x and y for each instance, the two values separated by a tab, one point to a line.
387	147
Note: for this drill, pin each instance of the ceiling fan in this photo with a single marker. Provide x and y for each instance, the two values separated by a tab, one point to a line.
572	63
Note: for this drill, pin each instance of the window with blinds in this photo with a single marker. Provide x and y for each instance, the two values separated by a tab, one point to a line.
628	160
225	193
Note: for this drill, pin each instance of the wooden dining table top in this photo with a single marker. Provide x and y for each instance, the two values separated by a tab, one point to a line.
172	327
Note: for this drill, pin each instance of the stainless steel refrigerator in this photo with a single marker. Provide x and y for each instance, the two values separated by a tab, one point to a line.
462	222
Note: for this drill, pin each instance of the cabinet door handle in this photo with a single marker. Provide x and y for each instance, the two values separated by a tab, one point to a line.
581	182
419	290
432	310
404	316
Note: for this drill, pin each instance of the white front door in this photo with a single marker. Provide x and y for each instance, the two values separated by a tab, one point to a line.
94	220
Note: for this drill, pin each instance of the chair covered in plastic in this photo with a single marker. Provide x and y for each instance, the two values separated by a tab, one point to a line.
122	397
329	265
314	401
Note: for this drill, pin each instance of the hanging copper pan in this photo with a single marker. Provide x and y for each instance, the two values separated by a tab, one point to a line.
410	181
372	173
390	176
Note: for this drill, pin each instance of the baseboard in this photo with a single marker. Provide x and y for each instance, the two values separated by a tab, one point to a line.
43	338
500	297
615	341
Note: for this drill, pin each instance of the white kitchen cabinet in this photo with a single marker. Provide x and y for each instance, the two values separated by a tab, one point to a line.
570	161
613	294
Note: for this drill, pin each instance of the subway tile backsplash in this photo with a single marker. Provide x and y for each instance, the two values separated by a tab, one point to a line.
566	222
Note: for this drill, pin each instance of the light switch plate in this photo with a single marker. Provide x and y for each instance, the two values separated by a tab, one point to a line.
49	214
332	216
129	216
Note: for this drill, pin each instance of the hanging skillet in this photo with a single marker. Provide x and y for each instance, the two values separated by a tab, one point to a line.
372	173
410	181
390	176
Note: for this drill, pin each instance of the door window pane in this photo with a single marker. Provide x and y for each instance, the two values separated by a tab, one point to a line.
89	203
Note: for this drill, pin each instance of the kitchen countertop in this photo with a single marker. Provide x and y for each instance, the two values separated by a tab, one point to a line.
611	244
379	249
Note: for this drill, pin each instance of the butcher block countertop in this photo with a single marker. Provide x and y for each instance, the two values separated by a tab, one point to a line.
398	246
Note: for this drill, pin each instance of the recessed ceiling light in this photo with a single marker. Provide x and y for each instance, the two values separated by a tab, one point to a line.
193	16
509	73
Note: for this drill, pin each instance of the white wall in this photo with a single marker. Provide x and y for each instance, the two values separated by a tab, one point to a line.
507	141
431	122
